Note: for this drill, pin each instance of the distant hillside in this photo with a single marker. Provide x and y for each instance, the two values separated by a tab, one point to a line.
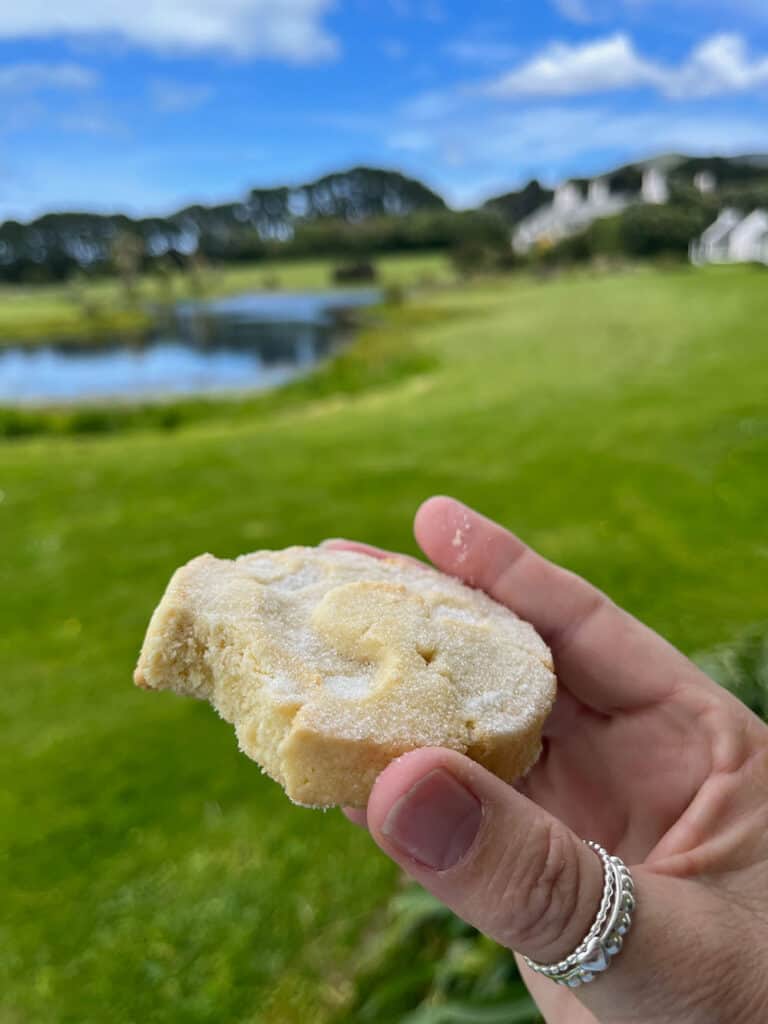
57	244
353	214
728	170
739	179
516	206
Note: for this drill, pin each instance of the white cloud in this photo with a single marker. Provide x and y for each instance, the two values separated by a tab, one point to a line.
554	141
561	133
566	70
289	29
721	64
34	77
589	11
170	97
574	10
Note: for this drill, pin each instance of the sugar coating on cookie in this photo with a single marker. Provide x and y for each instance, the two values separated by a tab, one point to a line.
330	664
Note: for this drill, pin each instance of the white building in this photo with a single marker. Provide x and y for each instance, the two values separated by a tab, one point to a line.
567	198
733	238
749	240
714	244
705	182
570	212
655	188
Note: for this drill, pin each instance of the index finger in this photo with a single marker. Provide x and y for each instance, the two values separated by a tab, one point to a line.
608	659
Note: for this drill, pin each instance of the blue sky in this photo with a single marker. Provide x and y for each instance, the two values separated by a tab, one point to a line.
124	105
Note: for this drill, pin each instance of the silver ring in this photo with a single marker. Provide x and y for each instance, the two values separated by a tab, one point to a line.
605	938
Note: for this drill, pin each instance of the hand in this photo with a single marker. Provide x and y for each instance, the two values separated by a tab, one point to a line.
643	753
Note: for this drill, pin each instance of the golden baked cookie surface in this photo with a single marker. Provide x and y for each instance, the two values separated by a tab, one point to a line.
332	663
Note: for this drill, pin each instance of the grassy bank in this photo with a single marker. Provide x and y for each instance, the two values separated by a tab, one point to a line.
151	872
383	350
90	309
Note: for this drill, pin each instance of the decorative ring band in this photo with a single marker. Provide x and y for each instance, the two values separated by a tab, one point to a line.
605	938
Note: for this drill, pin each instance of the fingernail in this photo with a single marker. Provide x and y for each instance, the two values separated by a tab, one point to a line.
436	821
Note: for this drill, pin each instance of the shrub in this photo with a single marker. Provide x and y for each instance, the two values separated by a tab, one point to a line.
648	231
742	667
363	272
425	966
394	295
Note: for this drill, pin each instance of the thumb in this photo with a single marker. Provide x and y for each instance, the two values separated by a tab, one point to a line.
522	877
495	858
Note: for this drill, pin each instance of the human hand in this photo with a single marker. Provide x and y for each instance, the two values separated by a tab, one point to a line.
642	753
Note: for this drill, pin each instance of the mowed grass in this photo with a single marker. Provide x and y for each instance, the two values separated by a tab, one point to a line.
90	308
151	873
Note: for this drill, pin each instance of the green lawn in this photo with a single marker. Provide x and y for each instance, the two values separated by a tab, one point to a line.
151	873
88	309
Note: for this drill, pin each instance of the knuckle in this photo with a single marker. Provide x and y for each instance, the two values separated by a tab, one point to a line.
541	890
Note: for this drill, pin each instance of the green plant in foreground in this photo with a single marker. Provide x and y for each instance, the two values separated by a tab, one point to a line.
742	667
422	965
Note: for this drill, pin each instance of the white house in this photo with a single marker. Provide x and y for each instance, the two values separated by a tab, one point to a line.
733	238
749	240
571	212
714	244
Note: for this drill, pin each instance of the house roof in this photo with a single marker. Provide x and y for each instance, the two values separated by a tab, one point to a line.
718	232
755	223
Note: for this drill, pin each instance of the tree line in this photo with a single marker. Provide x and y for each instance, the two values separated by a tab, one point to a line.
360	213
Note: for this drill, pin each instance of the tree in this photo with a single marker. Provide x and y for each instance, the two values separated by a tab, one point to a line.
361	212
516	206
127	255
661	230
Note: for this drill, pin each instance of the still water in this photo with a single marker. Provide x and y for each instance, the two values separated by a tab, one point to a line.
250	342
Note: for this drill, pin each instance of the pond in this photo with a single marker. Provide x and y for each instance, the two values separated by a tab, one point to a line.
245	343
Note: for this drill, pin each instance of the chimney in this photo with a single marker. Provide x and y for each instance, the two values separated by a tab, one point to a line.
705	182
655	188
567	197
599	191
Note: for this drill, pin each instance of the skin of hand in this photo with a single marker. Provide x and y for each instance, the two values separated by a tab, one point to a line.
642	753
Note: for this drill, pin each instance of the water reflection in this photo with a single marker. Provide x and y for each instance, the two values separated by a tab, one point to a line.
250	342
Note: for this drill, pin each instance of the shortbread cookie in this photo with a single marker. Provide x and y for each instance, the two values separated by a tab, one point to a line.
330	664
